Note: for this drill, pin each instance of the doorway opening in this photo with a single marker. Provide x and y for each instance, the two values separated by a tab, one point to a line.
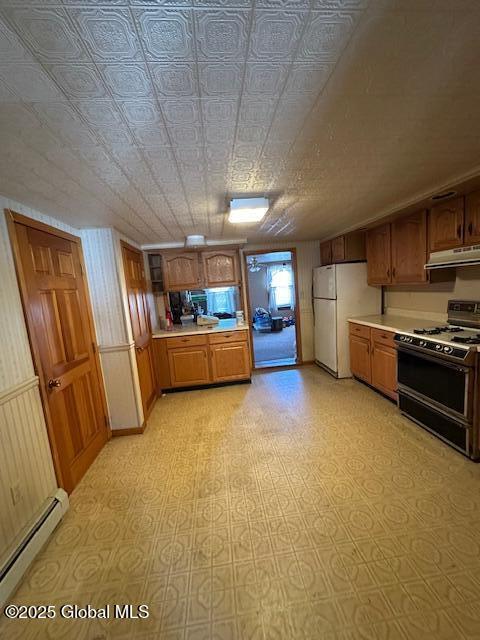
273	307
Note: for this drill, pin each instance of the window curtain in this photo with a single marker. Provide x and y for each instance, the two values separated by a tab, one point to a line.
280	287
221	300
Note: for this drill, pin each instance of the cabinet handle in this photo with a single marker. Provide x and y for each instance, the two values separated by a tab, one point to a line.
368	348
470	229
388	273
394	272
459	231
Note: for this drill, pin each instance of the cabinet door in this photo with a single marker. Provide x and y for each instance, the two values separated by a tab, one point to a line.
446	225
338	249
360	365
384	369
326	253
220	268
379	255
409	248
181	271
472	218
189	366
230	361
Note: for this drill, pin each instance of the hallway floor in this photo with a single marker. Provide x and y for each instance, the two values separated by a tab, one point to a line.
296	507
273	346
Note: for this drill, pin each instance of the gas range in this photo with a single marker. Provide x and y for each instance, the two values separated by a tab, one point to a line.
439	374
448	340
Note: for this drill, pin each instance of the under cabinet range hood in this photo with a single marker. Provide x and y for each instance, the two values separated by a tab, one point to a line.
461	257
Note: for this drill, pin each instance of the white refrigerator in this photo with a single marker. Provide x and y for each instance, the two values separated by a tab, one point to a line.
340	291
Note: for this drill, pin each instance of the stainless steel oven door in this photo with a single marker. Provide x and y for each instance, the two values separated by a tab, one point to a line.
443	385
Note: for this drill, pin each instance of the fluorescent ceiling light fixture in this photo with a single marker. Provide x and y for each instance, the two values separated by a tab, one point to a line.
195	241
247	209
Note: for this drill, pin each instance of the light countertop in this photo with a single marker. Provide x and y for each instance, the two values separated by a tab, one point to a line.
194	329
390	322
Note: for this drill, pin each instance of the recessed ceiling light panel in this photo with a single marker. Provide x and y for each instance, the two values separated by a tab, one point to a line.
244	210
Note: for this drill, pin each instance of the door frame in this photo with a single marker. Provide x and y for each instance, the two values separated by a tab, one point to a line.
125	245
13	218
298	331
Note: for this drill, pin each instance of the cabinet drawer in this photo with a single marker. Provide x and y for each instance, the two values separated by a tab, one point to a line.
383	337
360	330
227	336
186	341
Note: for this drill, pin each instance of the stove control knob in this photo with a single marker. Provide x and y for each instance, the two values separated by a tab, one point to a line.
438	347
408	339
448	349
423	343
402	338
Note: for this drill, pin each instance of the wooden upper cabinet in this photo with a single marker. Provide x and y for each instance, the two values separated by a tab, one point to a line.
181	271
446	225
472	218
326	252
409	248
220	268
338	249
379	255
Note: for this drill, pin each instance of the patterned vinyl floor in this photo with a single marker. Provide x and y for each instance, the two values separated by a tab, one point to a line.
296	507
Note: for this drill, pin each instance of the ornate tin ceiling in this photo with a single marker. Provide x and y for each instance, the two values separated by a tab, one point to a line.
147	115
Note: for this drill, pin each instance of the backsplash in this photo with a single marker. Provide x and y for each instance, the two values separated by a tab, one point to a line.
433	298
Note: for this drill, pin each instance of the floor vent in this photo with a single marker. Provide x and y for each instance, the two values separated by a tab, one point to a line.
17	564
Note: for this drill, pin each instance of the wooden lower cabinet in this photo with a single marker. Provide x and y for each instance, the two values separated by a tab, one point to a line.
384	369
360	362
230	361
373	358
190	361
188	366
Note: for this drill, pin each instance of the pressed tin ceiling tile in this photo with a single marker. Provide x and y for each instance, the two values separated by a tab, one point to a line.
324	102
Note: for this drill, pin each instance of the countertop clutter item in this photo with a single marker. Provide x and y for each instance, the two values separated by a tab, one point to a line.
240	317
204	320
339	291
196	329
438	376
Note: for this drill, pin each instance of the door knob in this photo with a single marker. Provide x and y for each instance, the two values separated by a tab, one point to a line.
52	384
139	349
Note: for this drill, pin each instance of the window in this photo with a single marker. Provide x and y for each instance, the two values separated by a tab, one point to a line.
281	287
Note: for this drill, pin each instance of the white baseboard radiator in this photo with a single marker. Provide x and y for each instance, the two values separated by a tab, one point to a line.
17	564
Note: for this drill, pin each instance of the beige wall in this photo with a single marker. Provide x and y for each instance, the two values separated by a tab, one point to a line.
106	281
25	457
308	257
433	298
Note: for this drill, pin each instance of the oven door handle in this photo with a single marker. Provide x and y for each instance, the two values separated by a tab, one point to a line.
432	358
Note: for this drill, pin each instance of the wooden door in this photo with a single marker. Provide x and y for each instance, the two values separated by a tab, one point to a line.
338	249
60	325
384	369
181	271
409	248
379	255
141	325
326	253
189	366
230	361
360	365
472	218
446	225
220	268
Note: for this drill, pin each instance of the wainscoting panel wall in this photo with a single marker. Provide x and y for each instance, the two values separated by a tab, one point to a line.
103	261
28	477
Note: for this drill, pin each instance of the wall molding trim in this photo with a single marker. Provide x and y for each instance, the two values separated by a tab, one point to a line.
128	432
18	389
114	348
